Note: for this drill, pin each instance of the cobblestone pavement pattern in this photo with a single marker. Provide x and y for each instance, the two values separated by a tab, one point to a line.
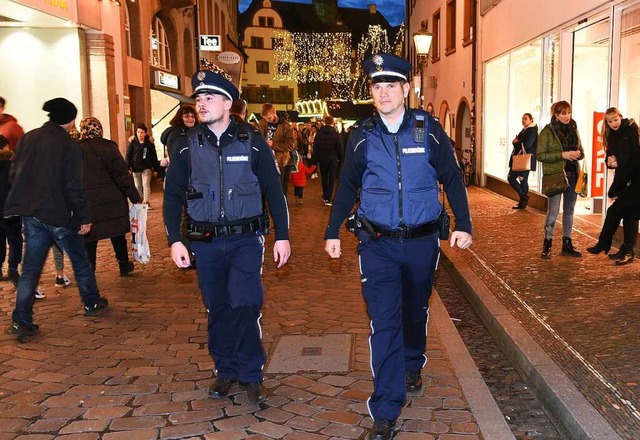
142	370
582	311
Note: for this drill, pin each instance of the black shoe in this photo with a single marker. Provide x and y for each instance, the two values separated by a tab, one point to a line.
618	255
413	380
24	330
98	308
126	267
597	249
255	392
546	248
626	259
522	202
220	388
13	276
568	249
382	430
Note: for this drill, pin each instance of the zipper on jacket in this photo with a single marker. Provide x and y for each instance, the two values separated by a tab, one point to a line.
220	165
400	200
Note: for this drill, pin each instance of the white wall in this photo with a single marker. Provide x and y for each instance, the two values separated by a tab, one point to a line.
40	64
513	22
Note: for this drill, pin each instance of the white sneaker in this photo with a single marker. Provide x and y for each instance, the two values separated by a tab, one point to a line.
40	292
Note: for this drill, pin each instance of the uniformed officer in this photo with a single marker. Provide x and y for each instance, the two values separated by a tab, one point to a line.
221	175
396	159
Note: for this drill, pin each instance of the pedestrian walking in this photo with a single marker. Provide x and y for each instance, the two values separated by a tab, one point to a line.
46	191
279	135
10	228
299	179
220	174
620	140
142	159
396	159
327	153
525	142
559	150
107	185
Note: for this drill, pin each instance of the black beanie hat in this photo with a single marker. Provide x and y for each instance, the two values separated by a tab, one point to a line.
61	111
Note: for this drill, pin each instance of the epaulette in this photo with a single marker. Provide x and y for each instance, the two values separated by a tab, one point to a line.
367	123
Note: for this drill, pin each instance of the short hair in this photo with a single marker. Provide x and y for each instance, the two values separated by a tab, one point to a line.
2	101
238	106
184	110
559	107
142	127
266	109
328	120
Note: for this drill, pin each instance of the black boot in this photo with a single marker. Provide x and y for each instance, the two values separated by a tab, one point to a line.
568	249
546	248
126	267
626	258
520	203
524	199
621	253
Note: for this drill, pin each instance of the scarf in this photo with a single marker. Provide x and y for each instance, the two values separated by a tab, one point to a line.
90	128
567	134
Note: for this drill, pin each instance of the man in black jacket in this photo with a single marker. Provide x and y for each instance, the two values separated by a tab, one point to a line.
46	191
328	152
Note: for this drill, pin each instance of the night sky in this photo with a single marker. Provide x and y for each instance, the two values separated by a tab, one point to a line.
393	10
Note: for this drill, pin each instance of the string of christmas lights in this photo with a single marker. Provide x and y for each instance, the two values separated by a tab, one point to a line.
312	57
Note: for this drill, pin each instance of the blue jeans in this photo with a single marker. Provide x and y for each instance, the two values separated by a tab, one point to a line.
568	198
38	238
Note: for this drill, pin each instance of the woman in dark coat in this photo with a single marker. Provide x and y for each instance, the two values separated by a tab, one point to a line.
526	140
142	160
620	140
107	185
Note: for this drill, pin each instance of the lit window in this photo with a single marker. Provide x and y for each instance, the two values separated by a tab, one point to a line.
160	53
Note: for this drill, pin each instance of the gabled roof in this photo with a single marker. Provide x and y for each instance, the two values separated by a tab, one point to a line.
299	17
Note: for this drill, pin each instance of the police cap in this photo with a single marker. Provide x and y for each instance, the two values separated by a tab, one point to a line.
207	81
386	67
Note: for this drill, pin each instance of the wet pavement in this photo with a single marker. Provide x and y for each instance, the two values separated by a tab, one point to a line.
142	370
582	311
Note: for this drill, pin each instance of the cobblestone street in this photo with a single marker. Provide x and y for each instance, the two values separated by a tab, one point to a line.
142	370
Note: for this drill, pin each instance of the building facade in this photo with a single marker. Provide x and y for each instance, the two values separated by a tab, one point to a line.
445	86
122	61
585	52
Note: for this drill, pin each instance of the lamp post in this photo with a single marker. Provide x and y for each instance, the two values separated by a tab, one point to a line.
422	42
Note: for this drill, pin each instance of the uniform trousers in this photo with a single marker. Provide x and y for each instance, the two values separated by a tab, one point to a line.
230	278
397	278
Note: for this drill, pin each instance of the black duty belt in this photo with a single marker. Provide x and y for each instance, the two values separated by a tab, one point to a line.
224	230
404	232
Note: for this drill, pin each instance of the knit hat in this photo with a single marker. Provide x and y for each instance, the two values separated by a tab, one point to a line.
61	111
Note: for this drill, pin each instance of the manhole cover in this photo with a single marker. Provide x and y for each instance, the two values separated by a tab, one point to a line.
321	354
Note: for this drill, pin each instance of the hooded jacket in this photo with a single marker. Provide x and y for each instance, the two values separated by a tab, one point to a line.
11	129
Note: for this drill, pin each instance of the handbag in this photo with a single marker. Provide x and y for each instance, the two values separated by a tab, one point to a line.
581	183
139	243
554	184
292	164
521	161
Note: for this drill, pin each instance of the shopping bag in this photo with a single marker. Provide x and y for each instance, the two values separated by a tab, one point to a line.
521	161
581	183
139	244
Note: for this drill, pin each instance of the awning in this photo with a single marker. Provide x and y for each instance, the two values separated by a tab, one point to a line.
179	96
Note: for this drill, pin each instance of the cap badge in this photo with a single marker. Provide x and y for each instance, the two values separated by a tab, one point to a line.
201	75
378	61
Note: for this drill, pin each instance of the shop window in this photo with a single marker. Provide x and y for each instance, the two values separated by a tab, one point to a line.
262	66
451	28
160	53
257	42
127	29
133	30
435	42
469	20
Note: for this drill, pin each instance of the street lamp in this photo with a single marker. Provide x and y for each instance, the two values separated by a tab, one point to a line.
422	42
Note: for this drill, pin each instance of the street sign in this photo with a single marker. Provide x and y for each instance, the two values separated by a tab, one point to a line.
210	42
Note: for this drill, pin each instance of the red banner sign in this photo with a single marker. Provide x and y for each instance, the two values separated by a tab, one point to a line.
598	168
